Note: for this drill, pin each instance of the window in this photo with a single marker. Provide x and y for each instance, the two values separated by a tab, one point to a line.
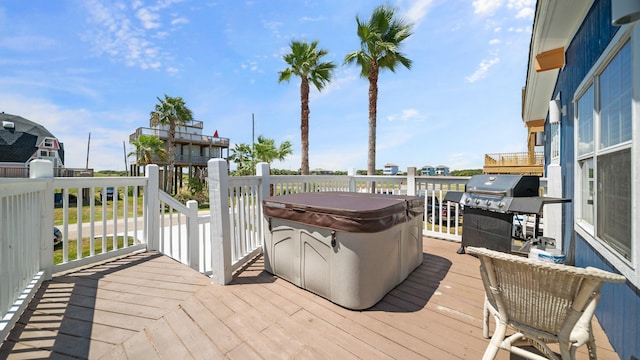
585	122
555	143
48	142
603	112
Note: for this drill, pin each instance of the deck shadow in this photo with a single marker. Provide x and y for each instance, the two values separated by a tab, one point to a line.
58	322
417	289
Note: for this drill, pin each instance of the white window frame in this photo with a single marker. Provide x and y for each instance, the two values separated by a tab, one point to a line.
555	143
629	268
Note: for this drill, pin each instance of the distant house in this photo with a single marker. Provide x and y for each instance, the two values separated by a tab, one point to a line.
583	85
442	170
390	169
321	172
22	141
427	170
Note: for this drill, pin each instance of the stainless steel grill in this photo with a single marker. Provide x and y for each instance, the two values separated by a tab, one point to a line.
490	204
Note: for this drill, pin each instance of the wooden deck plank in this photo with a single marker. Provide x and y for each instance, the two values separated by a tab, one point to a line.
214	327
200	346
149	306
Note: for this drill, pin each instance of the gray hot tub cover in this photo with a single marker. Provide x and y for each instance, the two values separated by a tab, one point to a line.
347	211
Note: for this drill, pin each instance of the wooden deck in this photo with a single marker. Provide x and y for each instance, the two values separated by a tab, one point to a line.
148	306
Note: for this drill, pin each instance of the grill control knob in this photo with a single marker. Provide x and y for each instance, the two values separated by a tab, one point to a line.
501	204
468	200
488	202
477	201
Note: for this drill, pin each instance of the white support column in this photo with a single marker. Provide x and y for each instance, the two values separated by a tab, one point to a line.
43	169
262	170
152	207
411	181
553	212
220	222
193	236
352	181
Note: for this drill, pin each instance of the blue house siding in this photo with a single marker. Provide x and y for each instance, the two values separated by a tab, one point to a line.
619	309
590	41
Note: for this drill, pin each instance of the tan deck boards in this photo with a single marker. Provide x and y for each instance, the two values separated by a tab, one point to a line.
147	306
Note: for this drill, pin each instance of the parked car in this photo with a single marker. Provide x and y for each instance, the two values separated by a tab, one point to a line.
109	193
441	211
57	236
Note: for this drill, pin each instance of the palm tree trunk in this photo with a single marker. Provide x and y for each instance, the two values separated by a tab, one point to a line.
304	125
373	111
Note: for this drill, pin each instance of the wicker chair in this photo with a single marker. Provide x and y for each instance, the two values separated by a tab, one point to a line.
544	302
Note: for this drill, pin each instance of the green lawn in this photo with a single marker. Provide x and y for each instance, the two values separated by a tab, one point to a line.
73	248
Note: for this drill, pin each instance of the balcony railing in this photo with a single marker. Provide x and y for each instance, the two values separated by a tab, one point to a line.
510	159
140	216
515	163
23	172
182	137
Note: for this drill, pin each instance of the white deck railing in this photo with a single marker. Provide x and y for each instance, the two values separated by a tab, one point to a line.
216	241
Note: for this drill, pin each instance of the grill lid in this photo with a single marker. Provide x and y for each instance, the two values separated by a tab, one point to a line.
504	185
503	193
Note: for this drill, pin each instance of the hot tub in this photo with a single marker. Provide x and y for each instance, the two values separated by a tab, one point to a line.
351	248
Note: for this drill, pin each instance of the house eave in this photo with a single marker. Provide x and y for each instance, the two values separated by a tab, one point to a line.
554	26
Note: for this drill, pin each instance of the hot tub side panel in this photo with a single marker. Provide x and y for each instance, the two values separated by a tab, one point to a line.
355	273
411	246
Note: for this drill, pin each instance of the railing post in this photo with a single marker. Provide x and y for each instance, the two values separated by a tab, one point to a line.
411	181
193	238
43	169
262	170
152	207
352	180
220	222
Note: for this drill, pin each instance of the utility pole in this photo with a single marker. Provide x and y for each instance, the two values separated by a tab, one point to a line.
253	143
126	166
88	143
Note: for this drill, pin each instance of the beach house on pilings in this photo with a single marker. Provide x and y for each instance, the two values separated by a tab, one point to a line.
193	149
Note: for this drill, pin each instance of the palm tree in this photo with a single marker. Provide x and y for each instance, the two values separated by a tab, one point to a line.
266	150
246	157
172	112
380	40
304	61
147	148
242	155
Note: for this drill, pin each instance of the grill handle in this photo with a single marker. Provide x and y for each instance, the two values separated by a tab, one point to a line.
490	192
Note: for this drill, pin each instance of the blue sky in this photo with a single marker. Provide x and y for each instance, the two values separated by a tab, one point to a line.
97	66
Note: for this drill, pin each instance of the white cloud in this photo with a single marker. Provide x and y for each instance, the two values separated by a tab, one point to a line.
526	13
486	7
407	115
418	10
179	21
307	18
72	128
148	19
483	68
273	27
495	42
125	34
525	8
